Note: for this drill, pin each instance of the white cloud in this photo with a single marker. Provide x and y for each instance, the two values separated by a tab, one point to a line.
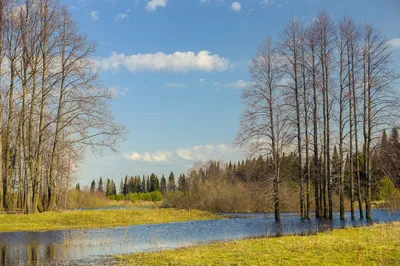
172	85
240	84
206	152
159	156
154	4
121	17
236	6
177	62
218	2
94	15
395	42
195	153
265	3
202	81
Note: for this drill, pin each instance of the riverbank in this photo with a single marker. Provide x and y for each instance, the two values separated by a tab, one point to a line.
97	219
377	244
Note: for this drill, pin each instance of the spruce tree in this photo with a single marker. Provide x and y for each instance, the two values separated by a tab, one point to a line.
182	183
121	187
153	182
163	185
108	187
93	186
100	188
394	137
125	190
114	188
78	187
148	184
171	182
384	141
143	186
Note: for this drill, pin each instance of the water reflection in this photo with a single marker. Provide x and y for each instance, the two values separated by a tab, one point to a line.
91	246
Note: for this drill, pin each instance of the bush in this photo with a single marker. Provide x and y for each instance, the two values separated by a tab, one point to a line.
386	189
156	196
111	197
119	197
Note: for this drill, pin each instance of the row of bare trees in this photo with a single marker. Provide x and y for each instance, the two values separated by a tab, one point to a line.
51	107
322	85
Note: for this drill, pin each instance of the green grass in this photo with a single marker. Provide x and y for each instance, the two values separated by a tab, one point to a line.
375	245
96	219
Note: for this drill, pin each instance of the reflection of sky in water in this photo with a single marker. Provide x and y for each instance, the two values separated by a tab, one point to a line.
75	246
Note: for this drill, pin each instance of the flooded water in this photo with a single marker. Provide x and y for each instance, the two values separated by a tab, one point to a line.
93	246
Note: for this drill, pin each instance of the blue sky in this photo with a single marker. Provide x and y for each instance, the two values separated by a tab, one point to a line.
177	68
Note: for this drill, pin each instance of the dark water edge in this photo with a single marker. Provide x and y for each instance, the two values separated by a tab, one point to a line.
93	246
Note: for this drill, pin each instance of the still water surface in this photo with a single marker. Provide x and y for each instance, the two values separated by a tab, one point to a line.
91	246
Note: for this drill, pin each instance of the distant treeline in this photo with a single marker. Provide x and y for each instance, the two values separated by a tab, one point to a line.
138	184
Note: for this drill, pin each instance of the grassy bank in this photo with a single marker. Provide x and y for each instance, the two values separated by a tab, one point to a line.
96	219
375	245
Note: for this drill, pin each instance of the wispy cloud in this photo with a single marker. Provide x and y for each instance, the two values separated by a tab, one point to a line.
121	17
218	2
154	4
179	62
172	85
236	6
265	3
395	42
195	153
94	15
240	84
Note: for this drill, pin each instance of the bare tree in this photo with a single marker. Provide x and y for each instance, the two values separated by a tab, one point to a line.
290	50
264	123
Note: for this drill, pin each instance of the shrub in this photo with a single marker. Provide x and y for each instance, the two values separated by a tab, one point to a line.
156	196
111	197
386	189
120	197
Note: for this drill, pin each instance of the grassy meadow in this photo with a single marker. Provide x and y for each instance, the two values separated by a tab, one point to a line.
97	219
375	245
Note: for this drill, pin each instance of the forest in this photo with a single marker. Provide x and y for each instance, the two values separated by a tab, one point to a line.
52	106
319	86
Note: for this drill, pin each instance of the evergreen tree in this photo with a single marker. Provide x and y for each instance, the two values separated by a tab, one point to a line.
171	182
113	188
125	190
100	188
157	187
93	186
153	182
148	184
121	187
143	186
394	137
78	187
163	185
182	183
384	141
108	187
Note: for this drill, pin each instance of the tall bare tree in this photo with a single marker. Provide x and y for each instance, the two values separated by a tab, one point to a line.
264	123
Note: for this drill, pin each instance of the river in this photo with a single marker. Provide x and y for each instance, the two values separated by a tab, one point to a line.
93	246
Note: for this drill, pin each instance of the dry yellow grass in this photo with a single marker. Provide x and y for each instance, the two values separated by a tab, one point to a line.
97	219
